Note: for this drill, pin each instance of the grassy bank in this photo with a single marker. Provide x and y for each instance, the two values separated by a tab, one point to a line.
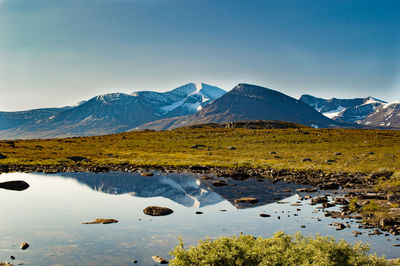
328	149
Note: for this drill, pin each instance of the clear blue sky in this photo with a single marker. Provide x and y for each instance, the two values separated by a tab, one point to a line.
59	52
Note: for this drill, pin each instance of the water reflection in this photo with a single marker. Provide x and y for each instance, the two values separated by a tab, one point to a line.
186	189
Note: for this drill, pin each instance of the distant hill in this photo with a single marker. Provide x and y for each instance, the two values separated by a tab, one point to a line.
249	102
107	114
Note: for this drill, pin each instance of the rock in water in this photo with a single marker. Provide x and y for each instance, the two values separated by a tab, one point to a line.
157	211
146	174
246	200
219	183
24	245
14	185
160	260
102	221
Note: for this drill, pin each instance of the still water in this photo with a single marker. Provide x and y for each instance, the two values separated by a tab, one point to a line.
49	215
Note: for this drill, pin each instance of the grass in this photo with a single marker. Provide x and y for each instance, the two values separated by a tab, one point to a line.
281	249
360	150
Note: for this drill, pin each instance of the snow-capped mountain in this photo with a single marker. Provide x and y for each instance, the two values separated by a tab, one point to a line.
345	110
249	102
184	100
385	115
107	114
183	189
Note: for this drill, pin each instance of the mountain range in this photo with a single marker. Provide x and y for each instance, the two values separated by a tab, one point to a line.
107	114
195	104
367	111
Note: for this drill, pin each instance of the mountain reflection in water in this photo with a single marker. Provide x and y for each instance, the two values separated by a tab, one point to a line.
186	189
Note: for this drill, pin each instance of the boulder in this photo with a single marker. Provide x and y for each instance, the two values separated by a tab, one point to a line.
157	211
386	221
14	185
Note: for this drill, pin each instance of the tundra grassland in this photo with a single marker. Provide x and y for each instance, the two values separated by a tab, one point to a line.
329	150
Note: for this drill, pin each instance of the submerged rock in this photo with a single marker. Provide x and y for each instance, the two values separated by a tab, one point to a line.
102	221
157	211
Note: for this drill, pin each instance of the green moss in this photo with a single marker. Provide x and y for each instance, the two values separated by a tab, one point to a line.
281	249
371	207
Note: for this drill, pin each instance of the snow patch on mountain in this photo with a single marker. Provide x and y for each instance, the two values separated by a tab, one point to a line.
333	113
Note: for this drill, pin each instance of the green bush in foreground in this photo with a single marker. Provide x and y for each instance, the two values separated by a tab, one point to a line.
281	249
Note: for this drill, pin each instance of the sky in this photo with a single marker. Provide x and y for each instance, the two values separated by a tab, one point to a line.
57	53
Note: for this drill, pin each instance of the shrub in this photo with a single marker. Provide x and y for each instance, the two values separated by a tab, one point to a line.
281	249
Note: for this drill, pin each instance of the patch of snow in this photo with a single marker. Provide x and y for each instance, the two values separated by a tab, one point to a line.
372	100
333	113
314	126
51	117
199	108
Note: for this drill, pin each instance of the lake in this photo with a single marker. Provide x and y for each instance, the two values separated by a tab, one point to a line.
49	216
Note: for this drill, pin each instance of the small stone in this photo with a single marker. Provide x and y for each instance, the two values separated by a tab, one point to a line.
264	215
78	159
306	189
24	245
160	260
337	153
272	152
246	200
319	200
12	257
231	148
146	174
339	226
134	261
102	221
157	211
199	212
306	160
303	226
219	183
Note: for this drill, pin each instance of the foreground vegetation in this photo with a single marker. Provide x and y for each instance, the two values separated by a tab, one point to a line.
281	249
330	150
